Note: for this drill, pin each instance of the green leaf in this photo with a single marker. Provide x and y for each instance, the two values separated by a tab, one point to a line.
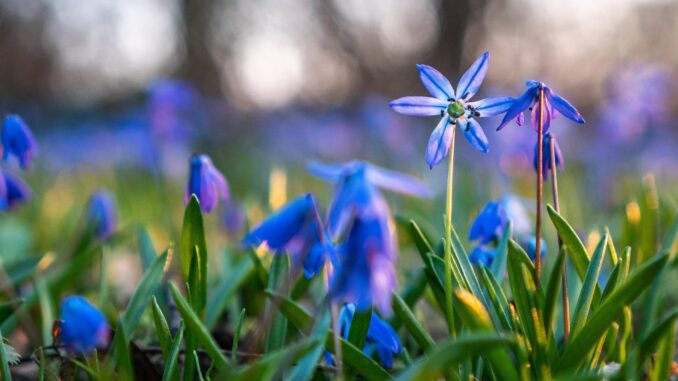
8	308
451	352
259	268
581	311
279	275
236	336
161	328
581	344
194	248
149	284
4	361
426	253
225	290
419	333
498	267
552	291
295	313
464	264
477	319
648	342
517	260
663	362
496	297
146	250
575	247
171	371
198	330
272	365
306	367
360	323
121	354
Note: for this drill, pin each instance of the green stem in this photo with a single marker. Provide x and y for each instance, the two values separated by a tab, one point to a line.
448	237
540	186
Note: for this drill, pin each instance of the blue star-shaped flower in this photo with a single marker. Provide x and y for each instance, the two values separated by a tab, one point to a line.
552	103
453	107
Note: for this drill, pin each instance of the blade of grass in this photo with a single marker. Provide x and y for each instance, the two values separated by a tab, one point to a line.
418	332
149	284
581	310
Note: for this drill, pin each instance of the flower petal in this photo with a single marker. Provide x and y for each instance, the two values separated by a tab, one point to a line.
280	227
564	107
328	172
547	116
397	182
419	106
476	136
473	77
492	106
522	103
435	83
439	143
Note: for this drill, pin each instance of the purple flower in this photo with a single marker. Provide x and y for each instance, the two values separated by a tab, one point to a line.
170	103
206	183
296	229
453	107
546	155
482	254
82	326
102	214
553	103
13	191
380	336
17	140
489	224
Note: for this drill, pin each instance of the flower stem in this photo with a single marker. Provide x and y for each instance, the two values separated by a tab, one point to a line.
540	186
554	189
448	237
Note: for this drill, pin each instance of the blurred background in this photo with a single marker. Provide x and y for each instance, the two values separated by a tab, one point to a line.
119	93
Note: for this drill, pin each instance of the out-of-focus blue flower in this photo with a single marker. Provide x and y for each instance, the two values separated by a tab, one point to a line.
296	229
233	217
530	245
206	183
83	327
17	140
13	191
102	214
170	103
482	254
546	155
380	336
356	190
454	108
530	100
489	224
517	214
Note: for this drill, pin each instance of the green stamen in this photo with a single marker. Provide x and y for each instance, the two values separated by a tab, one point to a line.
455	109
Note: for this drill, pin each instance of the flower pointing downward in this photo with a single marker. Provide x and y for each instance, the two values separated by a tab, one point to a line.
454	107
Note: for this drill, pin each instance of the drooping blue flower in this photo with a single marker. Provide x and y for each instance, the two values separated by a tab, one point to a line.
206	183
356	190
489	224
529	243
553	103
13	191
83	327
297	229
454	108
17	140
380	336
546	155
482	254
102	214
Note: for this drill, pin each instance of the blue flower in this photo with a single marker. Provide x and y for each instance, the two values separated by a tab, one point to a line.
453	107
102	215
170	105
482	254
380	336
530	245
296	229
82	326
17	140
517	214
546	155
13	191
489	224
206	183
356	191
530	100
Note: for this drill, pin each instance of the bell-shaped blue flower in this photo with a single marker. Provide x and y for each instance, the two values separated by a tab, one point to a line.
530	245
546	155
83	327
102	214
17	140
489	224
453	107
482	254
13	191
295	228
553	103
206	183
380	336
